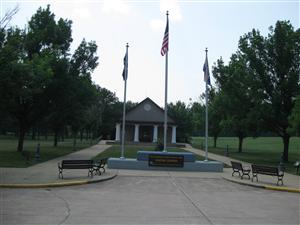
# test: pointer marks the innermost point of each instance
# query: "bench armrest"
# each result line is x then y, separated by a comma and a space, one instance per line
281, 173
297, 163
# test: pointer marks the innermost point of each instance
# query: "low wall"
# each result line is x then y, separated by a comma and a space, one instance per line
144, 155
200, 166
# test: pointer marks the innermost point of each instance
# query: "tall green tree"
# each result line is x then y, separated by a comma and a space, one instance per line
38, 78
274, 62
82, 64
58, 95
45, 35
111, 111
23, 80
215, 114
197, 111
235, 97
182, 116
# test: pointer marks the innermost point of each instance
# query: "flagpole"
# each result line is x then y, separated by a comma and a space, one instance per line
206, 115
124, 105
166, 100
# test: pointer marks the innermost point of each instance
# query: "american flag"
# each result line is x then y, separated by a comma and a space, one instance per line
165, 44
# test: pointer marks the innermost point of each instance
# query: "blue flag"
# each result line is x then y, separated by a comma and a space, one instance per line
125, 70
206, 72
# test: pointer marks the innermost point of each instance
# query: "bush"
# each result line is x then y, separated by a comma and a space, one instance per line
159, 146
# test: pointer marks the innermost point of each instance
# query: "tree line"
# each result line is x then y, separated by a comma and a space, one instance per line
44, 87
47, 89
258, 91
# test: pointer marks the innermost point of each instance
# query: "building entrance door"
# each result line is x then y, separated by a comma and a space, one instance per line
146, 133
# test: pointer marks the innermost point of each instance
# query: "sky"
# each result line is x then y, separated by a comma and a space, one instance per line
194, 25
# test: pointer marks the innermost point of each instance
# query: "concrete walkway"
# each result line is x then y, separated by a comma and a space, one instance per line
150, 198
46, 173
291, 182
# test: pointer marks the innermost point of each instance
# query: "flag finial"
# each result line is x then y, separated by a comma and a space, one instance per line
127, 45
167, 13
206, 50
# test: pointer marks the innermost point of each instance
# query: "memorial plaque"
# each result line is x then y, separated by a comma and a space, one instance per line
166, 160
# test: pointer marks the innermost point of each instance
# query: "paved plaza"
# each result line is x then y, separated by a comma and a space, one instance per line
136, 197
142, 197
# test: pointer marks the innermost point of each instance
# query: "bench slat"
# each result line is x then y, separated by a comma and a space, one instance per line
236, 165
265, 170
64, 162
77, 166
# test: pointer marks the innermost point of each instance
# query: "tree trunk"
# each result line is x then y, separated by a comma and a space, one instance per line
55, 138
286, 141
74, 144
215, 141
74, 141
81, 135
33, 133
38, 133
241, 144
22, 132
87, 134
66, 133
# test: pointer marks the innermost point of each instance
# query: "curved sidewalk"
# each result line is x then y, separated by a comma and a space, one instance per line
46, 174
291, 182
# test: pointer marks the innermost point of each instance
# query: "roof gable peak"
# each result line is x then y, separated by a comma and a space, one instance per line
147, 111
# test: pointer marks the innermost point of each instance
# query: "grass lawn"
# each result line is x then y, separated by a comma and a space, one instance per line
130, 151
9, 157
262, 150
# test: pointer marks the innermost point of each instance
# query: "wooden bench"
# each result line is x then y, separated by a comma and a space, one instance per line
238, 168
100, 165
76, 164
297, 165
267, 170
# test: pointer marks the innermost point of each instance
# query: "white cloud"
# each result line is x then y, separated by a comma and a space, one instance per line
82, 13
174, 14
157, 24
173, 7
115, 6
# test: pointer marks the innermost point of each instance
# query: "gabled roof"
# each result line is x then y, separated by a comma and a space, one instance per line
147, 111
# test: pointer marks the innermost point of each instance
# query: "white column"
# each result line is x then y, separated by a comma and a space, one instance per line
118, 130
136, 132
173, 134
155, 131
